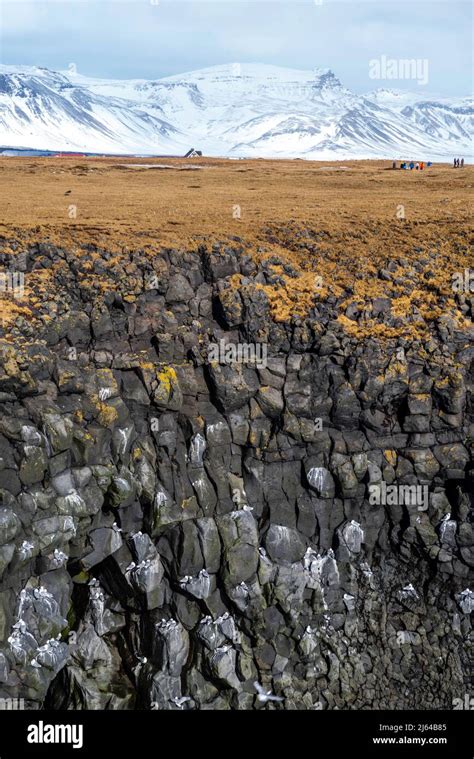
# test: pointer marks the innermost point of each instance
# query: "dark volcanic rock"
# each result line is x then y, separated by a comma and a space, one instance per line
175, 528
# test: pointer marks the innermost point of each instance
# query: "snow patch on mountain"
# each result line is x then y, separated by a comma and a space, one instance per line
229, 110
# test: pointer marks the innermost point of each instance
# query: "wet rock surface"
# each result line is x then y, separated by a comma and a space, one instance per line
176, 528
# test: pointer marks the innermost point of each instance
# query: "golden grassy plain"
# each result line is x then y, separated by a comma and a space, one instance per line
344, 221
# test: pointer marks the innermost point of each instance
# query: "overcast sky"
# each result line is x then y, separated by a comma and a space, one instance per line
154, 38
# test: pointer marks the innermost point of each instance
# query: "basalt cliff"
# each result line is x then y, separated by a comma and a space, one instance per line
180, 531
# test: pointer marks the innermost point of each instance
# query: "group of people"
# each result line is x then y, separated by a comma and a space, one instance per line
418, 166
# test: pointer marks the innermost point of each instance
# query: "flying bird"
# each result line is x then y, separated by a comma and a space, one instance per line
264, 696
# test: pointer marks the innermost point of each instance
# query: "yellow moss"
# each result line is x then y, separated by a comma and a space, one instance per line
11, 367
10, 311
167, 377
235, 280
381, 331
106, 375
391, 457
81, 577
137, 454
253, 438
108, 415
297, 296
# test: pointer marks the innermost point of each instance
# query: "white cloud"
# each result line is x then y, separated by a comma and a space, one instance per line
135, 38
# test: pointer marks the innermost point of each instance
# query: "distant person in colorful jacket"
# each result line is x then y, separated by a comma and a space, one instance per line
411, 165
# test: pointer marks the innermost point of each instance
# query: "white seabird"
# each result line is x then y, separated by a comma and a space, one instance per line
180, 701
20, 625
265, 696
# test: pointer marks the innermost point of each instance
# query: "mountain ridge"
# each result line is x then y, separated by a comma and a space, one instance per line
239, 110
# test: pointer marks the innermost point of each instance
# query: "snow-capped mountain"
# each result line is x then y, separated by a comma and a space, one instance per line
45, 110
232, 110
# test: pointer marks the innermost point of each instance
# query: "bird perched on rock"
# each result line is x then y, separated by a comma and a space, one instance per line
180, 701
